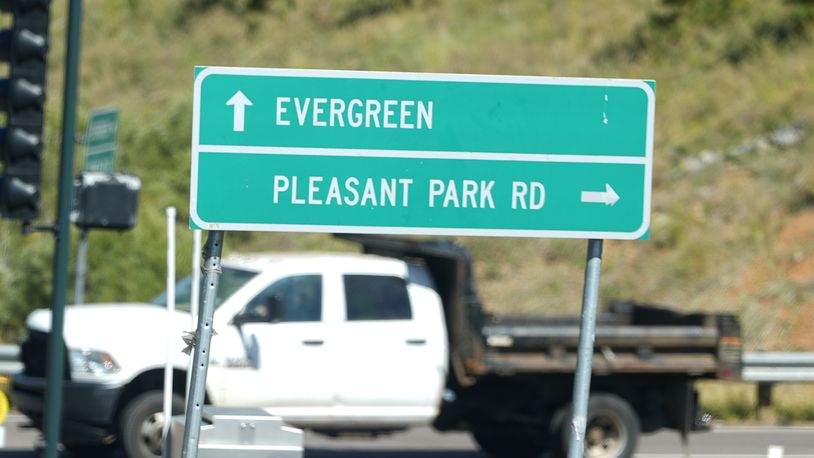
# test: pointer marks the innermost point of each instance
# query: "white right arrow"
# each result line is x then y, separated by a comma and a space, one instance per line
239, 101
609, 197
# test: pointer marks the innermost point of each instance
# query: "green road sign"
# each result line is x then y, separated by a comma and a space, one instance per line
101, 140
415, 153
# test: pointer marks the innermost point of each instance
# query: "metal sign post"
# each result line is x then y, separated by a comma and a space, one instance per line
194, 298
100, 156
587, 332
203, 338
170, 336
81, 268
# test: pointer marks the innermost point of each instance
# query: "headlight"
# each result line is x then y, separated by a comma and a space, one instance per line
91, 362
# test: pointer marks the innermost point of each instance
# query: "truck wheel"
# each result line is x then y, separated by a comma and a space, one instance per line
505, 441
612, 430
142, 423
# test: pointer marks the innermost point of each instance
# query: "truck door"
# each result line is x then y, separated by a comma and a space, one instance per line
391, 363
289, 350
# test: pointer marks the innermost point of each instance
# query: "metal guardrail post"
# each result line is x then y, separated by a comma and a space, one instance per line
764, 400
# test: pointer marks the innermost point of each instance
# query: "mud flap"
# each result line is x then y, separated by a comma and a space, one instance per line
684, 409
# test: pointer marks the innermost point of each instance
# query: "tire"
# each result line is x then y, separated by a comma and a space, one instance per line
612, 429
506, 441
141, 423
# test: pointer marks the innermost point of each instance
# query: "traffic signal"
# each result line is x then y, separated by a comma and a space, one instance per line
105, 200
22, 96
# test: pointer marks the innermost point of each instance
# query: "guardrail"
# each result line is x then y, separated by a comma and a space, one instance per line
10, 360
770, 367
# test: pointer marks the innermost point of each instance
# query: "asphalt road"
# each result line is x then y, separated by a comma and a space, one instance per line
729, 442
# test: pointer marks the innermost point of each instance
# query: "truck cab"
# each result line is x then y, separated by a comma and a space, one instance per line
332, 341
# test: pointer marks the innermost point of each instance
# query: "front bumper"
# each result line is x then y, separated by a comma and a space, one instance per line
88, 409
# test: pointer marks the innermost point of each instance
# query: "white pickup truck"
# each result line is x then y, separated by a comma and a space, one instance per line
369, 343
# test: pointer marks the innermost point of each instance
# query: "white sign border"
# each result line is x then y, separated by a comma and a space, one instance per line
451, 77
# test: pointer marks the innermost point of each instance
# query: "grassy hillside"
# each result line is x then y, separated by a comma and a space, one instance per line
733, 205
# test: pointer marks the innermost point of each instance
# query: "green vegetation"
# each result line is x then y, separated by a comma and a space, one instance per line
733, 212
728, 402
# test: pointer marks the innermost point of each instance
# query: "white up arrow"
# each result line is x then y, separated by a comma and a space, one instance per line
609, 197
239, 101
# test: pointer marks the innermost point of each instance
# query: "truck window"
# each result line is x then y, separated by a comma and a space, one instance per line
299, 299
230, 281
376, 297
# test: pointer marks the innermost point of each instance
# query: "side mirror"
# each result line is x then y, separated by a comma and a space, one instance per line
268, 312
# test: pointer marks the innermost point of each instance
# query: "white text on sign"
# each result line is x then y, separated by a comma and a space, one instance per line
369, 113
395, 192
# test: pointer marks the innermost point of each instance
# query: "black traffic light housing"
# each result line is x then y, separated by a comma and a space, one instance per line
22, 96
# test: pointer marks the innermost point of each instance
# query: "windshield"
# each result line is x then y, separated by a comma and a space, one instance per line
230, 281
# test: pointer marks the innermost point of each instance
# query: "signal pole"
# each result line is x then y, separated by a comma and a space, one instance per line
56, 346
